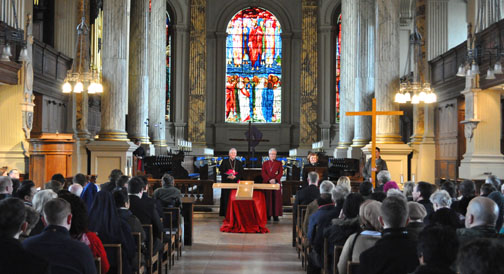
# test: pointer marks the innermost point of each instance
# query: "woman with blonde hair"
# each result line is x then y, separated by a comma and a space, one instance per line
344, 181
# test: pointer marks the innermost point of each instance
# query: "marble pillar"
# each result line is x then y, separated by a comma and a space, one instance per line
113, 150
138, 81
309, 72
157, 75
387, 70
180, 41
197, 74
364, 82
349, 16
115, 71
483, 154
327, 83
437, 28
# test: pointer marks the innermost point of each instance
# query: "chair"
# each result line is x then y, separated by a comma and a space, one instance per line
115, 248
337, 253
325, 267
176, 228
169, 247
151, 257
137, 236
352, 267
97, 261
301, 210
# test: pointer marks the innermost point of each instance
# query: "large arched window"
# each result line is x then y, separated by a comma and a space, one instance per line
253, 67
338, 66
169, 48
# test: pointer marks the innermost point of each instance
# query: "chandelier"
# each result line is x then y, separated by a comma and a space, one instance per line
9, 35
410, 88
79, 78
470, 67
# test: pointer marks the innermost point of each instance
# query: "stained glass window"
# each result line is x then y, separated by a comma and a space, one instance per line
338, 67
168, 65
253, 67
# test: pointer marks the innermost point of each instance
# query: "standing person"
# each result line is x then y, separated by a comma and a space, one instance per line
271, 173
380, 165
231, 171
313, 161
139, 155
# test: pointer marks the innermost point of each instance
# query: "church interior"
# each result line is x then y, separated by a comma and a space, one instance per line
192, 88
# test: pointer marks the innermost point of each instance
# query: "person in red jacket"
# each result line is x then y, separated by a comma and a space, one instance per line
272, 172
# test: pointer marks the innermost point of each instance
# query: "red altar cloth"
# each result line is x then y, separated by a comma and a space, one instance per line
246, 216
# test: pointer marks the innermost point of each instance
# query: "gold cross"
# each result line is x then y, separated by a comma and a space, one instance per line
245, 189
373, 113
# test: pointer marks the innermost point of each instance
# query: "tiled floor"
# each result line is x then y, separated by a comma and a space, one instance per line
216, 252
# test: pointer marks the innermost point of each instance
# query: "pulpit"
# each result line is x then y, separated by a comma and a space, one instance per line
50, 153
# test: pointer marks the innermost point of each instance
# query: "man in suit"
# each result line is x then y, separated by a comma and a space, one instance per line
231, 171
421, 194
145, 209
54, 244
305, 196
395, 252
13, 258
480, 220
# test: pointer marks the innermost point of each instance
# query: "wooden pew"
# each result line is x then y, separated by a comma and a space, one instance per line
352, 267
301, 209
137, 236
151, 258
97, 261
169, 239
187, 213
164, 253
115, 248
176, 228
289, 189
337, 253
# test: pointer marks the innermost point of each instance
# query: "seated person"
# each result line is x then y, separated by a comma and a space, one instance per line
39, 201
64, 254
443, 214
306, 195
480, 220
361, 241
26, 191
313, 161
168, 195
114, 176
395, 252
437, 250
5, 187
417, 213
480, 255
421, 194
382, 178
326, 187
13, 258
467, 189
75, 189
366, 189
32, 219
79, 230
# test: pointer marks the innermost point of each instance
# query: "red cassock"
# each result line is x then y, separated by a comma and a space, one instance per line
273, 170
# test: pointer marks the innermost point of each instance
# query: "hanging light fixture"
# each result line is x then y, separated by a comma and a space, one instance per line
79, 75
411, 90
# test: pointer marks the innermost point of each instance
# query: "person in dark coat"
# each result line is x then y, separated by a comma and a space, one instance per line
497, 197
313, 161
88, 194
480, 220
111, 229
145, 210
168, 195
5, 187
480, 256
417, 213
139, 155
421, 194
305, 196
13, 258
468, 191
54, 244
437, 250
231, 171
443, 214
395, 252
114, 176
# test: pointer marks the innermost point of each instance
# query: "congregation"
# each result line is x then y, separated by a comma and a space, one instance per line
69, 227
423, 228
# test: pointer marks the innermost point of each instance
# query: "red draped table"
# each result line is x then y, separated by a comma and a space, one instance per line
246, 216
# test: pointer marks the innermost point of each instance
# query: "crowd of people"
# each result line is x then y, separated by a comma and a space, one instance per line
420, 229
63, 228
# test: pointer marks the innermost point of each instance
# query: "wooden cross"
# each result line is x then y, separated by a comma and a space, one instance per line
245, 189
373, 113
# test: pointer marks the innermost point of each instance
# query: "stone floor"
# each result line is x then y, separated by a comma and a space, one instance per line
216, 252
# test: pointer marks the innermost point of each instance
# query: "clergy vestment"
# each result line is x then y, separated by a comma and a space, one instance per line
226, 167
273, 170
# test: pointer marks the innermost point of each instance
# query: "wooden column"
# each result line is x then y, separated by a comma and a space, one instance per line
197, 73
309, 75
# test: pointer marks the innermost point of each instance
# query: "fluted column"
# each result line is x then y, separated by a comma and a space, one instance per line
326, 83
197, 73
138, 93
437, 32
157, 75
387, 69
309, 69
348, 74
115, 70
364, 82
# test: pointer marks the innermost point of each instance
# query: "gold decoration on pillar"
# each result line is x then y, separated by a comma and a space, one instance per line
309, 104
197, 72
96, 39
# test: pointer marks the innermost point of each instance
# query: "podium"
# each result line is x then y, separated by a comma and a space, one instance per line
50, 153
